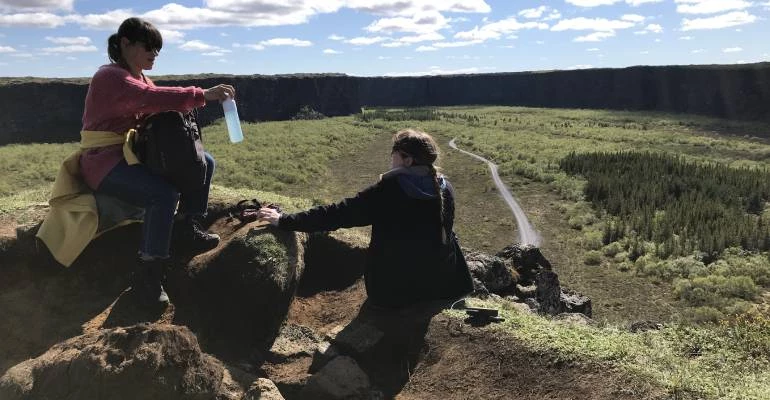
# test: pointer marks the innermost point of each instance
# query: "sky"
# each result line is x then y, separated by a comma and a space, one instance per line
67, 38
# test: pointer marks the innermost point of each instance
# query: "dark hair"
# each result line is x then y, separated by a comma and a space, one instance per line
424, 151
135, 30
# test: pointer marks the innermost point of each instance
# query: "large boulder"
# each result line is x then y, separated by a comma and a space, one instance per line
552, 299
490, 273
143, 361
240, 293
527, 261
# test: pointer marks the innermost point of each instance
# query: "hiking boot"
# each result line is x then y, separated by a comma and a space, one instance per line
146, 282
190, 234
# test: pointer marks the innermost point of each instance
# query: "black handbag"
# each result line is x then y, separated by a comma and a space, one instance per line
170, 145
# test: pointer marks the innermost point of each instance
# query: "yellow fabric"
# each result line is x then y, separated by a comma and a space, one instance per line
73, 219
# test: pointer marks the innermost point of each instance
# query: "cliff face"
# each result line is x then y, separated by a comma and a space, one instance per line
51, 111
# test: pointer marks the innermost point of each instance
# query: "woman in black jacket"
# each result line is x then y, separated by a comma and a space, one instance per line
413, 253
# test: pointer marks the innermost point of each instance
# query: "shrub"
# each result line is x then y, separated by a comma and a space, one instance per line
625, 265
592, 257
703, 315
592, 239
622, 257
715, 290
613, 249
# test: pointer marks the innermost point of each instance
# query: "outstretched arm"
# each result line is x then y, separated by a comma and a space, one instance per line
353, 211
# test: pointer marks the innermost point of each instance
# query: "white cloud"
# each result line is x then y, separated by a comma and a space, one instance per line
286, 42
434, 70
495, 30
171, 36
336, 37
533, 13
384, 58
82, 40
425, 48
644, 52
425, 37
198, 45
594, 37
108, 21
217, 53
412, 7
710, 6
425, 22
394, 44
592, 3
698, 51
457, 44
366, 41
591, 24
720, 21
254, 46
331, 51
7, 49
74, 48
32, 20
632, 18
685, 37
581, 66
637, 3
36, 4
651, 28
23, 55
732, 50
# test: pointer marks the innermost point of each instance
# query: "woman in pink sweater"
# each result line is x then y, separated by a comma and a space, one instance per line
119, 97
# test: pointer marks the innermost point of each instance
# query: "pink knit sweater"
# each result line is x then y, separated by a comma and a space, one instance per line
117, 102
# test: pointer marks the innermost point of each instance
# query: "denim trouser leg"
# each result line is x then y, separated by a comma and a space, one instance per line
136, 185
196, 202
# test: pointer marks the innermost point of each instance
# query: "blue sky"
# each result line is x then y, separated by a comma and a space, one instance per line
67, 38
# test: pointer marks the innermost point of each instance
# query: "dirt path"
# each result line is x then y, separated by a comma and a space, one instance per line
527, 234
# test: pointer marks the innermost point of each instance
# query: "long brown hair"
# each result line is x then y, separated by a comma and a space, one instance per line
424, 151
135, 30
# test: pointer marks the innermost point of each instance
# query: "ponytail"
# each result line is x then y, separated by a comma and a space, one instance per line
113, 49
437, 186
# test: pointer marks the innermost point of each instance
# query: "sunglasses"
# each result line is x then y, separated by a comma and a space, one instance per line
148, 47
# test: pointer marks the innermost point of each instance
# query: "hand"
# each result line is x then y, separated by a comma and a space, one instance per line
269, 214
219, 92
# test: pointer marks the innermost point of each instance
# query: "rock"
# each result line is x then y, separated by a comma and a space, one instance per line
293, 341
263, 389
525, 292
573, 302
324, 353
495, 273
548, 292
138, 362
356, 337
241, 293
553, 299
532, 303
527, 261
341, 378
644, 326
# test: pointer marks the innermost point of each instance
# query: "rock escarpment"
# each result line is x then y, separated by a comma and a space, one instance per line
50, 110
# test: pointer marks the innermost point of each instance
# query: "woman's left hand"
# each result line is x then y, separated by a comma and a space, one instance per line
267, 214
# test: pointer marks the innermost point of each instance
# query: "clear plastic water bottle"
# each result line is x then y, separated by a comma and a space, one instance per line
233, 122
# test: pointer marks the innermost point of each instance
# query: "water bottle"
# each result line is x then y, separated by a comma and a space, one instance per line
233, 123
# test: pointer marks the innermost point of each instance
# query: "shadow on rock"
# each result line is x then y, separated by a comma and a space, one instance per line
371, 357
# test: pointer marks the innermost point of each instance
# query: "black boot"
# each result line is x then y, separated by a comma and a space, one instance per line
189, 234
146, 282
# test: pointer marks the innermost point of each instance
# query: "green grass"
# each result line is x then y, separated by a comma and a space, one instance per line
328, 159
299, 163
727, 361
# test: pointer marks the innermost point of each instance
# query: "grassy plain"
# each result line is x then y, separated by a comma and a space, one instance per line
302, 162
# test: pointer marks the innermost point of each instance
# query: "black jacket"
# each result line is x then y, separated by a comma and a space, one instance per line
407, 261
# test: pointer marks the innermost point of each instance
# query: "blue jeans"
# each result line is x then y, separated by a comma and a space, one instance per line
136, 185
